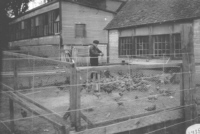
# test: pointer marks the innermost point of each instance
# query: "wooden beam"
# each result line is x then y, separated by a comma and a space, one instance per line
132, 66
41, 114
188, 73
11, 103
86, 119
57, 62
135, 122
181, 87
121, 119
75, 99
34, 102
12, 123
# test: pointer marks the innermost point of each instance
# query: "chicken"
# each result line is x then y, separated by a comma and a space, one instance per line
117, 97
151, 108
57, 91
97, 94
89, 109
121, 94
153, 97
61, 88
23, 113
120, 103
157, 88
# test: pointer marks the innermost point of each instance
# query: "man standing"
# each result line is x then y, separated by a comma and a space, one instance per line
94, 53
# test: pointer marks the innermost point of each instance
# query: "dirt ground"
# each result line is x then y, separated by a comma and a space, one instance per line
97, 106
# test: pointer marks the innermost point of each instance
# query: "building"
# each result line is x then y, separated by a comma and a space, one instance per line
149, 30
50, 29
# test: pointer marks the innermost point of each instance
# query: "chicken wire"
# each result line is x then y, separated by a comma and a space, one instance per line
39, 80
127, 91
116, 96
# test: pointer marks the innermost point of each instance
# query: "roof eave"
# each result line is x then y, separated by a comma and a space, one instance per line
36, 8
168, 21
82, 4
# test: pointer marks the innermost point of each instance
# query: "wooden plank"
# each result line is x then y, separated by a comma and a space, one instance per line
122, 119
188, 75
135, 123
132, 66
74, 100
68, 64
35, 73
35, 103
11, 103
12, 123
78, 102
19, 101
181, 87
86, 119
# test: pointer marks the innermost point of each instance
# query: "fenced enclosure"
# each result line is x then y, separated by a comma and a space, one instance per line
123, 97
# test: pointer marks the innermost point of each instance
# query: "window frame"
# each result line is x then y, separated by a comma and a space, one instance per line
158, 48
128, 47
34, 27
146, 43
83, 32
174, 45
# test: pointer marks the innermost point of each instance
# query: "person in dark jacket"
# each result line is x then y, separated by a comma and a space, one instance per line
94, 53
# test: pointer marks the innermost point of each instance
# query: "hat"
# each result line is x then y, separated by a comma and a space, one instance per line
96, 42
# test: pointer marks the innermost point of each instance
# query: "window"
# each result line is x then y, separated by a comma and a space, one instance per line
41, 25
80, 31
142, 45
125, 46
22, 25
177, 45
32, 27
161, 45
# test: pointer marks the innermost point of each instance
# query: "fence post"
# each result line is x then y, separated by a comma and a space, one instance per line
11, 102
75, 99
188, 74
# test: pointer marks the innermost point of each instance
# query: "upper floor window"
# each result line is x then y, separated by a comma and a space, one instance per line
80, 30
41, 25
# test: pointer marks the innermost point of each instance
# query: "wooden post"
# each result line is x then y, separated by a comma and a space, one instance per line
11, 103
151, 47
12, 124
181, 86
188, 74
75, 99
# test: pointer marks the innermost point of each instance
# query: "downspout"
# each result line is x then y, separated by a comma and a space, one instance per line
60, 26
108, 48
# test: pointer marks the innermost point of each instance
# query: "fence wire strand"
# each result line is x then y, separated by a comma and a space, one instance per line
143, 87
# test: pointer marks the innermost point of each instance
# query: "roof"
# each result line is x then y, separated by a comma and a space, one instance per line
142, 12
89, 4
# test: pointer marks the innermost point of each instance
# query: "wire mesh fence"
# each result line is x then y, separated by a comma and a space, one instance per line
124, 97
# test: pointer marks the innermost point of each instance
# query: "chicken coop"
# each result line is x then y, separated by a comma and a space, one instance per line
113, 98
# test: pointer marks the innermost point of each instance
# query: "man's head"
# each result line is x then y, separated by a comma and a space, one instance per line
96, 42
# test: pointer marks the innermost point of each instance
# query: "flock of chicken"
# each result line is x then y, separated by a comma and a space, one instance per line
116, 84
